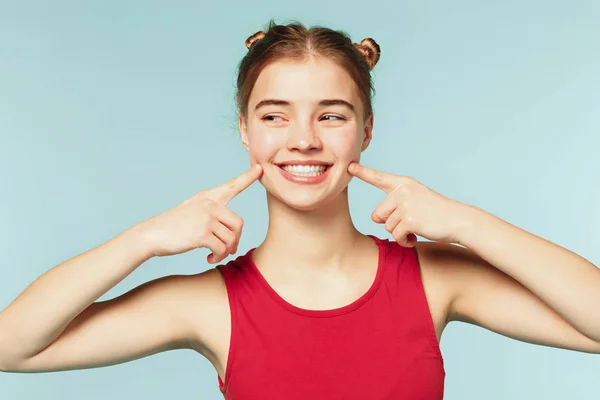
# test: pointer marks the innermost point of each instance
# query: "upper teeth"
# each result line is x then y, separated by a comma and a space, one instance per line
304, 168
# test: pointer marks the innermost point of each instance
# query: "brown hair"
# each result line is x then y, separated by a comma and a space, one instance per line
296, 42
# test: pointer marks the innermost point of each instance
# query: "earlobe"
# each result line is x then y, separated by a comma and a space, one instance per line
368, 131
243, 131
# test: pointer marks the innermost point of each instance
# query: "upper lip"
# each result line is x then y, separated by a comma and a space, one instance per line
303, 162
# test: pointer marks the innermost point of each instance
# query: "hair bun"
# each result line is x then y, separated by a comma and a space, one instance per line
370, 50
254, 38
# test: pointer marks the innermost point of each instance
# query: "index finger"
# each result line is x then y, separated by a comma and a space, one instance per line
376, 178
235, 186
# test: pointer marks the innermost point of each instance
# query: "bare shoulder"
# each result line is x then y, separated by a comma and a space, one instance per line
202, 301
439, 278
206, 308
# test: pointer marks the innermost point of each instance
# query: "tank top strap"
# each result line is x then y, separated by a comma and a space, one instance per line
405, 280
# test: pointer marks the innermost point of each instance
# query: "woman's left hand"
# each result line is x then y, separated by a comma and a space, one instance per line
410, 208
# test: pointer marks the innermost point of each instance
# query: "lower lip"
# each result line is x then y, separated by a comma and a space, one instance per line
306, 180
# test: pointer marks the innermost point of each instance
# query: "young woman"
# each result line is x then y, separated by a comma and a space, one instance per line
318, 310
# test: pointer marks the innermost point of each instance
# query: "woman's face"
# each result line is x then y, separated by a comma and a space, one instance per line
305, 126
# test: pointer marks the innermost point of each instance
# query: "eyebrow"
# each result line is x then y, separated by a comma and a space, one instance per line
324, 102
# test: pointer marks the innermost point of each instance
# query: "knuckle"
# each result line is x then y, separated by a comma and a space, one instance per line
205, 233
408, 180
206, 203
389, 225
212, 222
403, 190
240, 222
400, 228
204, 238
230, 238
410, 220
238, 229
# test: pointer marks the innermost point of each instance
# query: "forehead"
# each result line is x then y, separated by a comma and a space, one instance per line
304, 81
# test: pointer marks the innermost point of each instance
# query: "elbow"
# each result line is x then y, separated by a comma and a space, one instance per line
4, 367
9, 364
11, 367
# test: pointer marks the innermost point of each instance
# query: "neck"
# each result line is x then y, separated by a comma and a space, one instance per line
314, 240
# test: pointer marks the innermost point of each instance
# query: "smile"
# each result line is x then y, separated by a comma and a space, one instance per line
305, 173
304, 170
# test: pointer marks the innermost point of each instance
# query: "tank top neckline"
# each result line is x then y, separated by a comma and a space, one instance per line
332, 312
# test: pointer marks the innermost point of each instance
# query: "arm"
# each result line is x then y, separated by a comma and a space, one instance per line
508, 280
54, 324
519, 285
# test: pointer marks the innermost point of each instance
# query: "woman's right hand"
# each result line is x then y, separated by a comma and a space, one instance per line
203, 220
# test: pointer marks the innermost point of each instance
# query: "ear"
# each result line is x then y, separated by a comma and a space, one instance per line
368, 131
243, 128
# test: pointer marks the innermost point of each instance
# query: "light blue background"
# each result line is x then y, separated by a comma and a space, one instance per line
111, 112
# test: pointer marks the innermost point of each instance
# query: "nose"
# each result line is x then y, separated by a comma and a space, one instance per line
303, 137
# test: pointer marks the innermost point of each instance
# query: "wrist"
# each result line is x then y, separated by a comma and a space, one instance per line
137, 240
469, 224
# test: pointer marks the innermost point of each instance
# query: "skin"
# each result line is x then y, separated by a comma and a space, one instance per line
325, 239
538, 292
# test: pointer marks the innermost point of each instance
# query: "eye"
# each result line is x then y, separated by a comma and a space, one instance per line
331, 117
272, 118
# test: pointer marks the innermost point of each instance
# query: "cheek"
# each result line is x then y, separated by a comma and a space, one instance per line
346, 143
263, 145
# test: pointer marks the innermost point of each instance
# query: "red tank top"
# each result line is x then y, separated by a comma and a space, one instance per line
381, 346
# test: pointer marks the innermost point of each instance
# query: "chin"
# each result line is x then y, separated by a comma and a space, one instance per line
304, 203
